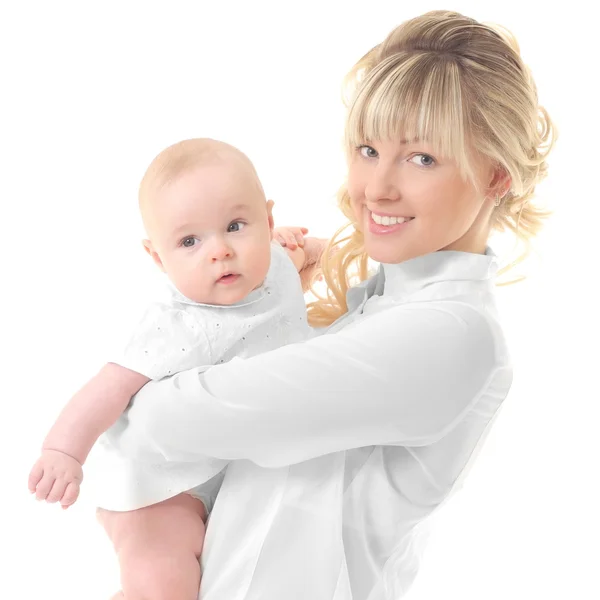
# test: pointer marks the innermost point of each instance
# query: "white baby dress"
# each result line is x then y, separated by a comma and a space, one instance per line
178, 334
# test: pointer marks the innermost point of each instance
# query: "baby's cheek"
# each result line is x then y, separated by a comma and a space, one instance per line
265, 263
191, 282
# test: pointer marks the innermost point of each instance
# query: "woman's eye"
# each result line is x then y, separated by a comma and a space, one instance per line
189, 242
236, 226
424, 160
367, 151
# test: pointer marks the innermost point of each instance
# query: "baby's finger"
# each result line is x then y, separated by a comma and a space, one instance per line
57, 491
44, 486
279, 238
34, 477
300, 239
71, 494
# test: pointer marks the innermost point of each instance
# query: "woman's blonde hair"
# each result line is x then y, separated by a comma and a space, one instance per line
448, 79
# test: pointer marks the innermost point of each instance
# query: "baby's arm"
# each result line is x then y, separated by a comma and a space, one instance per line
57, 474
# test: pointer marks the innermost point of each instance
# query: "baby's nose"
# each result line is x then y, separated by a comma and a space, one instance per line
221, 252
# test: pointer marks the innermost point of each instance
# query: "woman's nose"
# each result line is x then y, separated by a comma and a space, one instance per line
382, 184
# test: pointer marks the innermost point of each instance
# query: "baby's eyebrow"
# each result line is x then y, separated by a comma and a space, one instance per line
239, 207
182, 229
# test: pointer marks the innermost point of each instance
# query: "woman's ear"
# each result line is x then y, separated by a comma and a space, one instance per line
500, 183
149, 248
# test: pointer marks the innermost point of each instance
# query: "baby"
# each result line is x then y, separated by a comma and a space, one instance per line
231, 292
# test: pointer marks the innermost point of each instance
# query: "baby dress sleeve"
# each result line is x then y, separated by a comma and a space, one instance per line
167, 340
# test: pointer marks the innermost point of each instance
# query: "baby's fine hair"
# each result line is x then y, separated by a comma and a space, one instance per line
183, 156
455, 82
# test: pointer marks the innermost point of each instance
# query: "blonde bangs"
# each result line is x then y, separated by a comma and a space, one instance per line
412, 97
462, 87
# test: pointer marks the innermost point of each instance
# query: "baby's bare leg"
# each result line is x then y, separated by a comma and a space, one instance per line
159, 548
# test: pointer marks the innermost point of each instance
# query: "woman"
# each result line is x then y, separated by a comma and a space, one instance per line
342, 446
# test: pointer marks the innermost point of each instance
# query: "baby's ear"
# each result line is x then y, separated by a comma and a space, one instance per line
149, 248
270, 205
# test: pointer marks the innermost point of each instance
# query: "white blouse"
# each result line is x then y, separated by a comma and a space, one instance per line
342, 445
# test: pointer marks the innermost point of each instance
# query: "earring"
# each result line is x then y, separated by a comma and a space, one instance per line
498, 200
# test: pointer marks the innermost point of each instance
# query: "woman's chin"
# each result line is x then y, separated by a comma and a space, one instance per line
383, 252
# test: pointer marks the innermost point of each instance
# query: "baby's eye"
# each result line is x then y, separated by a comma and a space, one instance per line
189, 242
236, 226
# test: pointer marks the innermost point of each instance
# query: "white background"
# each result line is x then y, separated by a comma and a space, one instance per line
91, 91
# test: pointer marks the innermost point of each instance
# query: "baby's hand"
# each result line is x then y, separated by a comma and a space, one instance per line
290, 237
56, 477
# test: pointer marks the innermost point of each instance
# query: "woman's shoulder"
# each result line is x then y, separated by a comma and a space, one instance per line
461, 326
469, 327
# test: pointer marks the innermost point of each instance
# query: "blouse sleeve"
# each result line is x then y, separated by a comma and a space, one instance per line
404, 376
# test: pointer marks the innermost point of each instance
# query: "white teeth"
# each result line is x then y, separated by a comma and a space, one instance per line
388, 220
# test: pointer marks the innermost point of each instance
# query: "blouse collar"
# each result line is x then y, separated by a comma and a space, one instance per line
410, 277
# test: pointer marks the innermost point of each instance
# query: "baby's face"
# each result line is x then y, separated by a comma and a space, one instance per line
210, 228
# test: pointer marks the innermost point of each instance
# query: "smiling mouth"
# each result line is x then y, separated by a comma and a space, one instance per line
388, 221
383, 225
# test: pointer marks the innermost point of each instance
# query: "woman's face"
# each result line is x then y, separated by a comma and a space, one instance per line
408, 201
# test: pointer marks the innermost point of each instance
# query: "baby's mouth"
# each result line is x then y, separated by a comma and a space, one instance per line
228, 278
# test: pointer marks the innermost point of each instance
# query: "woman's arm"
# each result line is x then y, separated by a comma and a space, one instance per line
406, 375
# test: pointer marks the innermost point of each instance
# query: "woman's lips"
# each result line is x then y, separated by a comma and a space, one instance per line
380, 229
